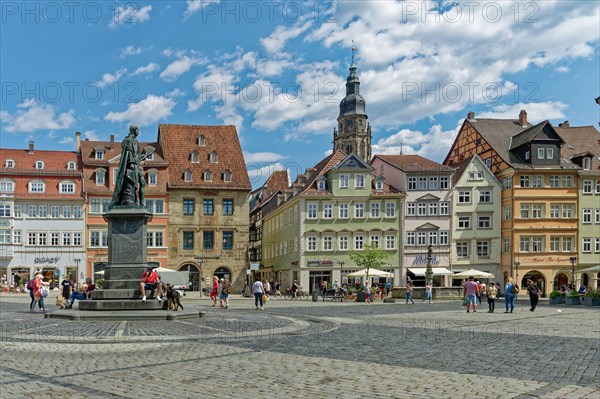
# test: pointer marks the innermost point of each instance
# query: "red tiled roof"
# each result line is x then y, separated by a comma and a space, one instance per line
179, 141
414, 163
55, 162
578, 140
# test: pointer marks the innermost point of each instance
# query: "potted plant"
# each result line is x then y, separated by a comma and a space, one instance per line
556, 298
572, 298
592, 298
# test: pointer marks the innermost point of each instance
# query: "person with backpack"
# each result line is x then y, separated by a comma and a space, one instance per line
30, 287
511, 289
40, 291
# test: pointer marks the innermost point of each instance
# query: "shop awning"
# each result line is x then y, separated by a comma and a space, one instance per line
437, 271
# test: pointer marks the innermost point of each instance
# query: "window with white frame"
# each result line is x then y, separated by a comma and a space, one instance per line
464, 197
596, 245
37, 186
152, 178
433, 209
379, 185
554, 211
444, 182
327, 243
410, 238
227, 176
201, 141
483, 249
587, 186
421, 209
359, 242
18, 210
462, 250
390, 209
596, 215
484, 222
507, 212
476, 175
7, 186
541, 153
443, 238
537, 181
54, 239
31, 211
213, 157
485, 196
375, 209
567, 244
374, 240
506, 244
70, 165
207, 175
67, 187
464, 222
587, 163
343, 243
4, 236
321, 185
327, 210
311, 211
194, 157
432, 238
31, 238
344, 181
99, 154
343, 211
359, 210
359, 181
586, 245
525, 211
9, 164
433, 183
390, 241
187, 175
554, 181
537, 211
411, 209
421, 238
39, 164
587, 216
77, 239
507, 182
567, 181
17, 237
527, 155
100, 177
412, 183
422, 183
567, 211
5, 209
549, 153
67, 211
67, 239
554, 244
43, 211
155, 239
42, 239
488, 162
444, 208
525, 181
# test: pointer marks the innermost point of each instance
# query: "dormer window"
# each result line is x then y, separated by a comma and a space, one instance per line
100, 177
187, 175
227, 176
207, 175
549, 153
194, 157
37, 186
587, 163
150, 157
201, 141
379, 184
527, 155
7, 185
39, 164
67, 187
98, 154
322, 184
152, 177
476, 175
71, 165
213, 157
10, 163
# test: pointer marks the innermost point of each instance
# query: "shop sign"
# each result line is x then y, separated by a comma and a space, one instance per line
320, 263
547, 259
215, 256
295, 263
46, 260
254, 265
422, 260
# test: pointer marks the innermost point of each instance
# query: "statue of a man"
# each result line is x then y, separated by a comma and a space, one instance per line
130, 183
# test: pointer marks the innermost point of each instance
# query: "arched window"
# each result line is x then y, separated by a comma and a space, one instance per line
227, 176
187, 175
201, 140
152, 177
213, 157
194, 157
39, 164
207, 175
100, 176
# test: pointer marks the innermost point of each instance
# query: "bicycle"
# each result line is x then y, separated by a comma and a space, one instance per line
300, 295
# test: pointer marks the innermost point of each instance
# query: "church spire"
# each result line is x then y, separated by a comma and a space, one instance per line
353, 65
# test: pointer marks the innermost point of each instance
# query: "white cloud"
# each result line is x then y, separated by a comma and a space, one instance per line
33, 116
151, 67
90, 135
175, 93
276, 41
262, 157
536, 112
145, 112
562, 69
178, 67
66, 140
259, 173
111, 78
129, 14
194, 6
131, 50
328, 153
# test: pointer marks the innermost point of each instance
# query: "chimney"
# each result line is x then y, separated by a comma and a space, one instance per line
78, 142
112, 141
471, 115
564, 124
30, 147
523, 118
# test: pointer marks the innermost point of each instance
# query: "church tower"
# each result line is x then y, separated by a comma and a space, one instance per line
353, 134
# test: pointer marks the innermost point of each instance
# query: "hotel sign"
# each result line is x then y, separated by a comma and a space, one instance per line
319, 263
422, 260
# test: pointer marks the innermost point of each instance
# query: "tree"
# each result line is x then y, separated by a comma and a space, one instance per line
371, 257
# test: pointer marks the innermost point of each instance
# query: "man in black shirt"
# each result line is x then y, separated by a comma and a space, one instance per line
67, 287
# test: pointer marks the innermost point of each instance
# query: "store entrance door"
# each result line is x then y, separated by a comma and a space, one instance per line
315, 279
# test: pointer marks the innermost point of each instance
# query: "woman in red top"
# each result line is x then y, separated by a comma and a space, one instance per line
215, 290
38, 283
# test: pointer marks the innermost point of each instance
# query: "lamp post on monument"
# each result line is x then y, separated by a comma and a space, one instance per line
429, 270
517, 264
573, 259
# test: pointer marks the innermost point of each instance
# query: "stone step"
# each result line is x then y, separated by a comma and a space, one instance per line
121, 284
120, 304
121, 294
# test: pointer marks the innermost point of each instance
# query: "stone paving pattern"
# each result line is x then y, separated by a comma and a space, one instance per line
305, 350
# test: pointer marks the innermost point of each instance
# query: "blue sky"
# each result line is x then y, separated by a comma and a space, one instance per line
277, 70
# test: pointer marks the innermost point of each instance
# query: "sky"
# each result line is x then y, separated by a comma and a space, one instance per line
276, 70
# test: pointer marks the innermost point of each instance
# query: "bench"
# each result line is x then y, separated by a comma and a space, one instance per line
333, 297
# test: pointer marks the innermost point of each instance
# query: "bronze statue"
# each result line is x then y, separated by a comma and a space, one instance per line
130, 183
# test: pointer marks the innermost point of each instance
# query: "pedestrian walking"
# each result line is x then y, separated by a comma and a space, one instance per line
510, 294
225, 291
31, 288
38, 291
368, 293
491, 294
215, 290
409, 292
388, 288
258, 290
534, 294
267, 286
470, 293
428, 293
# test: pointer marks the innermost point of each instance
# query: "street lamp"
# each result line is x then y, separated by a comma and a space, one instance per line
517, 264
573, 259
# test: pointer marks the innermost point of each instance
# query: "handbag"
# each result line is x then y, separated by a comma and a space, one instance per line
515, 289
60, 301
265, 298
44, 291
464, 301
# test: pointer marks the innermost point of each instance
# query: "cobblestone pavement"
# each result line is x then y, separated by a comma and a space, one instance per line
305, 349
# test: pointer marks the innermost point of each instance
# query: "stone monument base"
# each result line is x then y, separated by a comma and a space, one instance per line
133, 315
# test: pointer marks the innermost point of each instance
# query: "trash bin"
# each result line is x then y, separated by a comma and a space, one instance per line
360, 297
315, 296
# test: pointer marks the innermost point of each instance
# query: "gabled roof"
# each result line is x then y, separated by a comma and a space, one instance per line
353, 161
276, 183
579, 140
463, 166
178, 142
414, 163
55, 162
528, 135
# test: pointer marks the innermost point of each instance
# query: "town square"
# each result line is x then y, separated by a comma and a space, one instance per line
390, 199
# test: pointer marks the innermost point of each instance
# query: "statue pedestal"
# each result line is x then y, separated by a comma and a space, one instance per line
126, 263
